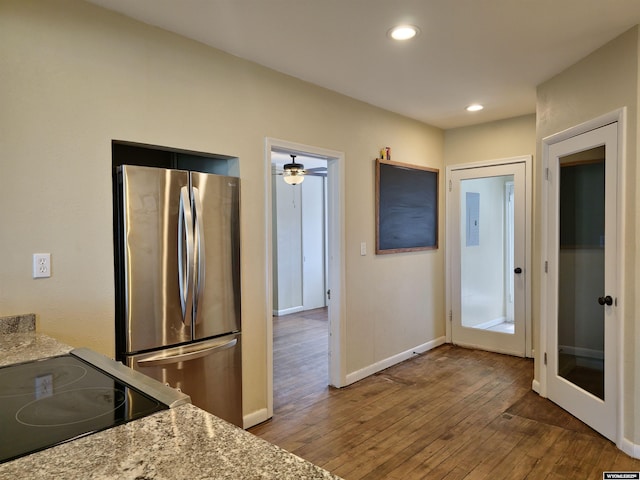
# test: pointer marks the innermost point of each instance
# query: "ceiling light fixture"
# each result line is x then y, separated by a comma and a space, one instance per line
476, 107
403, 32
293, 172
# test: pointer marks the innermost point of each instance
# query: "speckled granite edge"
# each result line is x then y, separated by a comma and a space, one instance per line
181, 443
18, 323
27, 346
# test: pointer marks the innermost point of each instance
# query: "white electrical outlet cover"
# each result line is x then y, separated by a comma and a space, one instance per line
41, 265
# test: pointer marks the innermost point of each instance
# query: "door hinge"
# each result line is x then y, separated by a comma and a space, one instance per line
450, 185
547, 173
451, 315
546, 266
329, 294
545, 358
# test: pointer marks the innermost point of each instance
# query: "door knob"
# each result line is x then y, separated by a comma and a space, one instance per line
605, 300
517, 270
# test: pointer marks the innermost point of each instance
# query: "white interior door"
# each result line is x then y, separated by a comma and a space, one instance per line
581, 279
488, 257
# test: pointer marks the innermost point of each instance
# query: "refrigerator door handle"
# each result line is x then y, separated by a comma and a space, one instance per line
185, 256
164, 359
200, 255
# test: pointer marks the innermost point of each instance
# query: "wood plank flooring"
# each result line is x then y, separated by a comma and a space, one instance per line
451, 413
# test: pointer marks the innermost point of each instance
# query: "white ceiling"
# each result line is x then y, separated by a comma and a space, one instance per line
493, 52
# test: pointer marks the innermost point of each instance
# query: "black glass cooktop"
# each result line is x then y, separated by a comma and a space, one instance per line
47, 402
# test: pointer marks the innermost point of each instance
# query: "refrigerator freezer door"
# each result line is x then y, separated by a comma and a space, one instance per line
209, 372
216, 205
150, 203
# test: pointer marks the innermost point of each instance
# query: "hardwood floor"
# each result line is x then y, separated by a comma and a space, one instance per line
300, 366
451, 413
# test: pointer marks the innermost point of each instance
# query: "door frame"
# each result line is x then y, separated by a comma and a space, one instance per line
528, 161
335, 215
541, 387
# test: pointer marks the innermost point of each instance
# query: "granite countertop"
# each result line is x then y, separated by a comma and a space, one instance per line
23, 347
19, 341
183, 442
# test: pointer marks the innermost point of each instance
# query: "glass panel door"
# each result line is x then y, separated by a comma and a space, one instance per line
581, 277
488, 257
581, 270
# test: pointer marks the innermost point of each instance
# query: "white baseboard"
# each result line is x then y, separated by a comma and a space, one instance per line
395, 359
254, 418
287, 311
535, 386
630, 448
489, 324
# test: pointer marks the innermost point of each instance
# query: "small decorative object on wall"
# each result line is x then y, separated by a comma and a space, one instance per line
406, 207
385, 153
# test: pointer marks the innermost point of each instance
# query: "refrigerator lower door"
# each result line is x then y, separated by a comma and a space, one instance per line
210, 372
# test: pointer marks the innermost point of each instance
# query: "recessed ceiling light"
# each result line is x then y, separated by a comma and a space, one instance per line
474, 108
403, 32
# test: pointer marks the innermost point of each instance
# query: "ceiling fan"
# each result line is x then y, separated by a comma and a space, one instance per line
293, 173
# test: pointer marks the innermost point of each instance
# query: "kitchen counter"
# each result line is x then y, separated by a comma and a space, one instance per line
23, 347
184, 442
19, 341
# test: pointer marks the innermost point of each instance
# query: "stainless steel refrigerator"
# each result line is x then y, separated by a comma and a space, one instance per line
178, 282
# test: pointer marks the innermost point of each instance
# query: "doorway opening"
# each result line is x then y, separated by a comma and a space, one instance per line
300, 317
305, 272
299, 219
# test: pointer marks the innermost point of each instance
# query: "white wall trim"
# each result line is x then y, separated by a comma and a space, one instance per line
336, 227
490, 323
611, 117
630, 448
393, 360
255, 418
287, 311
621, 118
535, 386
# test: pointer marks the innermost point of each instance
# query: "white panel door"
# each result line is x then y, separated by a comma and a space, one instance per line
581, 280
488, 258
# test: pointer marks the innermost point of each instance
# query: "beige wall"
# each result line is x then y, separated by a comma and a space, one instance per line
513, 137
602, 82
75, 76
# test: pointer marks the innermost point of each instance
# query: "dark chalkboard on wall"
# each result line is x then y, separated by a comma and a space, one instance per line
406, 207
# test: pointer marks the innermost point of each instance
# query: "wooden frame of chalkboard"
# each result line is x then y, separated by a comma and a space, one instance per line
406, 207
